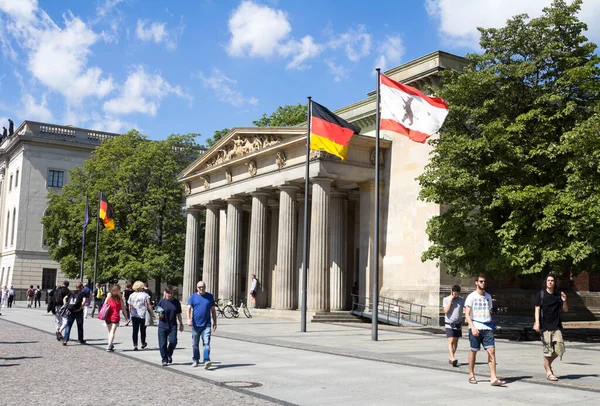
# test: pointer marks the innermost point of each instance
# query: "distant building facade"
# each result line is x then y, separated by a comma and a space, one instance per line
33, 161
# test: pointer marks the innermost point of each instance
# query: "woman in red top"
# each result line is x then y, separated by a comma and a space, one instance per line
112, 319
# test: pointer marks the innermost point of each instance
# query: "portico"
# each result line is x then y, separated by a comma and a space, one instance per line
253, 182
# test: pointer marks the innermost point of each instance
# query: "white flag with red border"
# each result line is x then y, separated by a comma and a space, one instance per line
407, 111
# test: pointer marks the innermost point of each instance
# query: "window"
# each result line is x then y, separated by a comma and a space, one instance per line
10, 183
7, 224
17, 178
48, 278
55, 178
12, 234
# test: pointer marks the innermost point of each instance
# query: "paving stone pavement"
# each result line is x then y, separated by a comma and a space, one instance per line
266, 360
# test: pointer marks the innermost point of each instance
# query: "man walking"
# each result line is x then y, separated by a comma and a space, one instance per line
548, 303
58, 299
202, 304
11, 296
38, 297
478, 314
453, 316
98, 294
76, 303
87, 293
30, 296
169, 310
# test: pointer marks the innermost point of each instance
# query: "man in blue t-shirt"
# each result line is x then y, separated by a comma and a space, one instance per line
203, 305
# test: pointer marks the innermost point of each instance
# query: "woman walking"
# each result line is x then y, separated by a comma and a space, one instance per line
169, 313
139, 304
116, 305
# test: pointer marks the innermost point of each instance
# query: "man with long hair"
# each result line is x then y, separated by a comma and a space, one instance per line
548, 303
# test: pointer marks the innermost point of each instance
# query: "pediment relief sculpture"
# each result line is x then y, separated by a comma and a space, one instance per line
280, 159
252, 168
206, 180
228, 176
241, 146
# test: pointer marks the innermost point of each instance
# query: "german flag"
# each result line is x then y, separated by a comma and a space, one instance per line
330, 133
106, 213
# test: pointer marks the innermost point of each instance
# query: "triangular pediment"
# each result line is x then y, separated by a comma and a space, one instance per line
241, 142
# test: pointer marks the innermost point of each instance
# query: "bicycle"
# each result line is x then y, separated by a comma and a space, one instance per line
220, 308
231, 310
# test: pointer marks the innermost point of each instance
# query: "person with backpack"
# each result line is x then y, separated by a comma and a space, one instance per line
75, 303
30, 296
548, 303
58, 301
98, 294
11, 296
38, 297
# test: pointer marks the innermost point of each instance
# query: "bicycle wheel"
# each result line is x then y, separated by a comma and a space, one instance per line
247, 312
228, 312
236, 313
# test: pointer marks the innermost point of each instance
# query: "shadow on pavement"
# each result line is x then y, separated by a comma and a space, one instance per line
18, 342
512, 379
223, 366
577, 376
17, 358
9, 365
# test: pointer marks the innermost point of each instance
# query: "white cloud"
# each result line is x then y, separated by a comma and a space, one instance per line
390, 52
356, 43
224, 88
141, 93
112, 124
459, 19
156, 32
21, 10
257, 30
106, 7
32, 110
300, 51
338, 71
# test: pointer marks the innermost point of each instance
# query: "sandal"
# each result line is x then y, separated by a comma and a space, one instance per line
498, 382
551, 377
472, 380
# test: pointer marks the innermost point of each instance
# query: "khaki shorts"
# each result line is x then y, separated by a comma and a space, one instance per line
553, 343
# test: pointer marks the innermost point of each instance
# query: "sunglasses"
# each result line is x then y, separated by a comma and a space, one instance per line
481, 281
201, 287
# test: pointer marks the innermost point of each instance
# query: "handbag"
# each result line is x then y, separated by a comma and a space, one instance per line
149, 318
102, 313
64, 311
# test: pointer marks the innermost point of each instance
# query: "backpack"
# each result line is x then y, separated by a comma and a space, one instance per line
100, 293
38, 293
58, 297
72, 302
30, 292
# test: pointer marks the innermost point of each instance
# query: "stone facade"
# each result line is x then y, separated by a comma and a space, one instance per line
34, 161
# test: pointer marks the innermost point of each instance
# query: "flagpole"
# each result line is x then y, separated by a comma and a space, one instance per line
97, 230
375, 301
305, 249
83, 239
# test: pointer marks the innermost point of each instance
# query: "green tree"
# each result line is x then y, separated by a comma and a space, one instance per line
138, 177
216, 137
502, 166
285, 116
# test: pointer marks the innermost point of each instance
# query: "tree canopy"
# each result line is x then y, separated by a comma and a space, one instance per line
139, 178
516, 166
285, 116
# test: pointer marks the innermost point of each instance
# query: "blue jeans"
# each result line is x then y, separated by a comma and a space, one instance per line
78, 317
167, 341
204, 333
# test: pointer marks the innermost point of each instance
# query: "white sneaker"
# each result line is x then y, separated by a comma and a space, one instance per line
195, 364
207, 364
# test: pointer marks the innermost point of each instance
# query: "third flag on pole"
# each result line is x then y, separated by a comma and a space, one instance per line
106, 213
330, 133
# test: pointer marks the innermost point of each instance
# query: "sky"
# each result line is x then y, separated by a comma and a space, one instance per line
195, 66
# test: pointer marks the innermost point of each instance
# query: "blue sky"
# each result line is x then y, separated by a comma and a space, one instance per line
202, 65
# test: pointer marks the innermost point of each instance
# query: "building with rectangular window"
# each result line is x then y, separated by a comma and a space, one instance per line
34, 160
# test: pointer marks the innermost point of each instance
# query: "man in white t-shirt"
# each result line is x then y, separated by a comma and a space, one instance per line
253, 291
478, 313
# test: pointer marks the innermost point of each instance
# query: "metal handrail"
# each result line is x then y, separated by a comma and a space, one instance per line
390, 310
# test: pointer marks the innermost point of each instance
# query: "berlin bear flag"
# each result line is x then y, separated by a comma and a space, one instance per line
407, 111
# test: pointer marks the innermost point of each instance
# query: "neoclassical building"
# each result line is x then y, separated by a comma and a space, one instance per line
35, 160
250, 186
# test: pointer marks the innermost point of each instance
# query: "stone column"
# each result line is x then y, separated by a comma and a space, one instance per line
270, 284
338, 270
190, 261
286, 248
258, 239
210, 273
318, 271
222, 252
300, 247
233, 264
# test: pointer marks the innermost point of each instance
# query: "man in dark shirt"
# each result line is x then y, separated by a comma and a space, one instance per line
76, 303
167, 325
58, 300
548, 303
